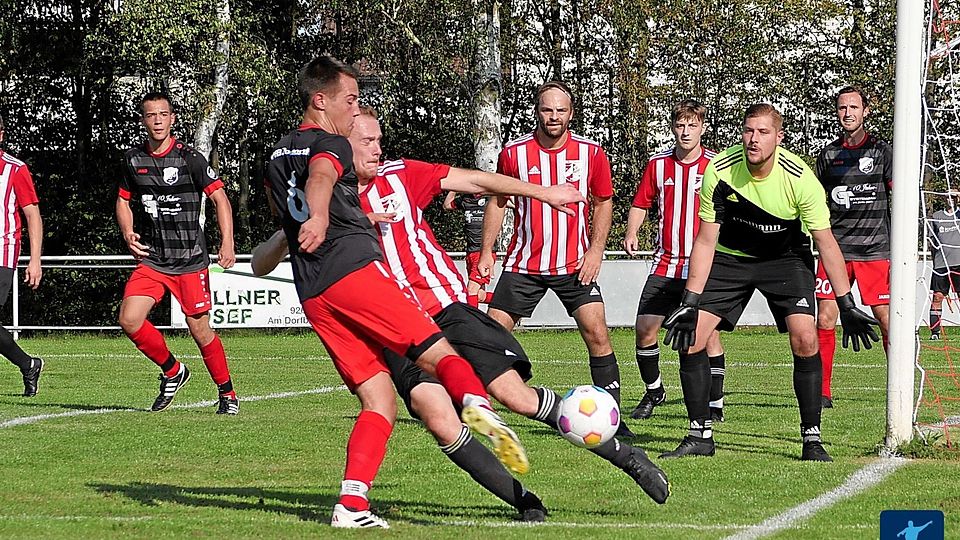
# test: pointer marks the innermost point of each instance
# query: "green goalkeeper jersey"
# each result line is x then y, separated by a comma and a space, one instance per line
762, 218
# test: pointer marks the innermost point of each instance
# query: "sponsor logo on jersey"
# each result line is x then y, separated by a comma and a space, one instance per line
170, 175
668, 182
280, 152
142, 171
866, 165
847, 196
533, 170
391, 205
572, 172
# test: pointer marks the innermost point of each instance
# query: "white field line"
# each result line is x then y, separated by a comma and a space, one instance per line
858, 482
24, 420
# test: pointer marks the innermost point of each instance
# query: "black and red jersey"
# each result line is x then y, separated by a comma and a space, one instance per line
473, 207
171, 186
351, 242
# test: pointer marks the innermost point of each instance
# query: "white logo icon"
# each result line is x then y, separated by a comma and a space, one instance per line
866, 165
841, 195
595, 292
803, 303
508, 352
170, 175
211, 173
533, 170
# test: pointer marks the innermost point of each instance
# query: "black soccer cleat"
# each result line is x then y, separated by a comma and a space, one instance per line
31, 377
935, 336
692, 446
623, 432
647, 475
716, 414
826, 403
228, 405
644, 409
169, 387
814, 451
531, 508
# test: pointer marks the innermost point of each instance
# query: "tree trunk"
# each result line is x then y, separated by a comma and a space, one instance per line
204, 139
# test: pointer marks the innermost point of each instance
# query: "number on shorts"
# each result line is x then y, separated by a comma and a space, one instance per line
824, 286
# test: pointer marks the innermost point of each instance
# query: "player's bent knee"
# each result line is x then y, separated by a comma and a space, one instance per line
431, 403
510, 390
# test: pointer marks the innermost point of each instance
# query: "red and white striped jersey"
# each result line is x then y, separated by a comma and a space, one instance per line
676, 187
406, 187
16, 188
546, 242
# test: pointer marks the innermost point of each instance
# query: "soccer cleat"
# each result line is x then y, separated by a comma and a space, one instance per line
935, 336
650, 400
228, 405
31, 377
692, 446
506, 445
826, 402
814, 451
623, 432
716, 414
169, 387
364, 519
531, 508
647, 475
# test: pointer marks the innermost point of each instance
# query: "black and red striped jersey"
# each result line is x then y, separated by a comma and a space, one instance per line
351, 242
170, 187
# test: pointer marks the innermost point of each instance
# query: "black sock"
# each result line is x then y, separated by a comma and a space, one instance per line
717, 371
695, 383
482, 466
614, 451
168, 364
935, 320
807, 384
12, 351
548, 408
606, 374
648, 360
226, 387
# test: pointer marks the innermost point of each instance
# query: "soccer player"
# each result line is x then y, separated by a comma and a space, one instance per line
549, 250
943, 234
759, 204
856, 171
672, 178
170, 179
395, 194
351, 299
472, 205
17, 184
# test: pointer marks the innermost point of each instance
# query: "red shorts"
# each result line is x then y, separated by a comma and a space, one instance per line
191, 290
872, 278
473, 274
363, 313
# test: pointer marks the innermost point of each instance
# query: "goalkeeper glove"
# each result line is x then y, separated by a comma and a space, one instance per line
681, 325
856, 324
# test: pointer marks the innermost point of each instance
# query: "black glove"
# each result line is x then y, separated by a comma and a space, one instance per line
856, 324
681, 325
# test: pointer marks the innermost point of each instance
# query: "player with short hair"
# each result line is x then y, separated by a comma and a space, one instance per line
943, 235
19, 196
551, 251
671, 177
171, 180
760, 204
335, 254
856, 171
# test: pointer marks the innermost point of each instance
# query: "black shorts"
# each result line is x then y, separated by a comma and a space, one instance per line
941, 281
787, 284
661, 295
518, 294
6, 284
489, 348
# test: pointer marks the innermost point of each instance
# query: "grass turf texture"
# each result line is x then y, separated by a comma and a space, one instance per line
274, 470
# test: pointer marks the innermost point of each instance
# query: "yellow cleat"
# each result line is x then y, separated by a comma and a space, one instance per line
506, 445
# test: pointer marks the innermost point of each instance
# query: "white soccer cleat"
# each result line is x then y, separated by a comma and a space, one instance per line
364, 519
506, 445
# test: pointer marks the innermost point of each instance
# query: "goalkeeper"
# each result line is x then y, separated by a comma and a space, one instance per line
943, 235
759, 205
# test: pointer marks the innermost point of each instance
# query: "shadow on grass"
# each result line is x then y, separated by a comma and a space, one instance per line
313, 507
29, 402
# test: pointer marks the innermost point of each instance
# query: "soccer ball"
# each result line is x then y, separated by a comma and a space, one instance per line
589, 416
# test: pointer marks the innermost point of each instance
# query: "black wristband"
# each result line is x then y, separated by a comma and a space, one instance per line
845, 302
690, 298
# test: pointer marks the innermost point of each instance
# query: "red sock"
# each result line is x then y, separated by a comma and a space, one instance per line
215, 358
487, 298
828, 347
473, 300
458, 378
150, 342
365, 451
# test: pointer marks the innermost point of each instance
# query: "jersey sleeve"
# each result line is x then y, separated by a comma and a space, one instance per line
708, 188
336, 150
23, 187
931, 229
601, 181
646, 188
204, 177
811, 201
423, 181
888, 166
505, 165
821, 165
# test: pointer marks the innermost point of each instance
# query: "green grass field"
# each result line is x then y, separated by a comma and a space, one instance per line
274, 470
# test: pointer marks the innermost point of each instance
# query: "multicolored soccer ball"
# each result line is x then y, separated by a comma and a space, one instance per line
589, 416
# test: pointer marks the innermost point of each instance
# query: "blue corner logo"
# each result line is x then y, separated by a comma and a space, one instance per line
911, 525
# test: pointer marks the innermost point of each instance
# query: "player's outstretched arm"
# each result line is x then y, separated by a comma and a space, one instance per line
492, 222
269, 253
634, 220
125, 221
857, 325
318, 190
473, 181
681, 325
227, 254
450, 201
35, 229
